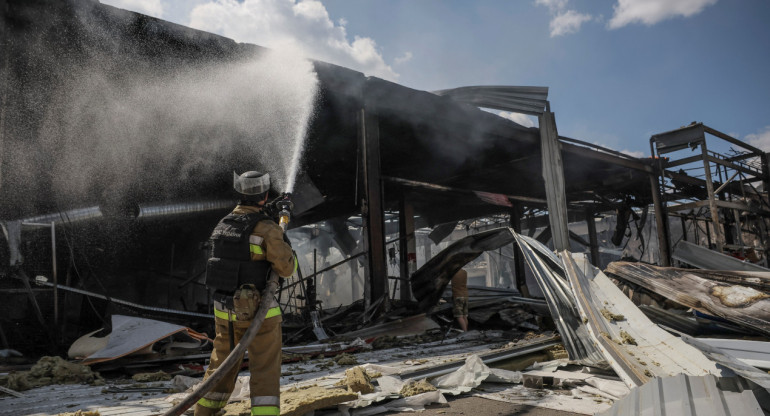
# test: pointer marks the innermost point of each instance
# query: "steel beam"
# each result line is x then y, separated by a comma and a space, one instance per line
606, 157
518, 256
661, 221
553, 174
711, 197
408, 252
372, 209
592, 239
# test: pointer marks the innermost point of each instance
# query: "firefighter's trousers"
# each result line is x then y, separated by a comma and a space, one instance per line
264, 365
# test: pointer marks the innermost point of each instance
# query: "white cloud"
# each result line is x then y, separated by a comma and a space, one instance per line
303, 25
760, 139
406, 57
563, 21
568, 22
650, 12
519, 118
553, 5
149, 7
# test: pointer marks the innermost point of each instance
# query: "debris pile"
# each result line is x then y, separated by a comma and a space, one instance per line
299, 401
151, 377
357, 380
413, 388
48, 371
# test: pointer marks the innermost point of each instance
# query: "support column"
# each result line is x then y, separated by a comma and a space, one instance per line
712, 198
592, 240
661, 222
372, 210
553, 174
518, 256
408, 252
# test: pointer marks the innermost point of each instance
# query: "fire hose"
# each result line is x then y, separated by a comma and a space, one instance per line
235, 356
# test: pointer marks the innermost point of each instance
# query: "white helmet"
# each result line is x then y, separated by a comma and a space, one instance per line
251, 183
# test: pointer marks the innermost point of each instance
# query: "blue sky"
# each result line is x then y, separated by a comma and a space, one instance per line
618, 70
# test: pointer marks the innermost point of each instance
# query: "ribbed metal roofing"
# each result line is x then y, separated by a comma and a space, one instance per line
684, 395
526, 100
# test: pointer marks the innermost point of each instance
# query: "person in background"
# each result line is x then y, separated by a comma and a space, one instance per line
460, 298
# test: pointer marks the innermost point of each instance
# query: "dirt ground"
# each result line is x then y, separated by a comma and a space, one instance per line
476, 406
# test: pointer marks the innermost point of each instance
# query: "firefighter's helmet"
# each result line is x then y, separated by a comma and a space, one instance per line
251, 183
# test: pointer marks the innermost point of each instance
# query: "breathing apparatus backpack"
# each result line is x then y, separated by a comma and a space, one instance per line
229, 265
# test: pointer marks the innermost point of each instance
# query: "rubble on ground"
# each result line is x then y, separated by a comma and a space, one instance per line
150, 377
345, 359
48, 371
413, 388
357, 380
300, 401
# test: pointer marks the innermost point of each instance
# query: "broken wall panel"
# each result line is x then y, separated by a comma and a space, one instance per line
430, 280
742, 305
549, 274
637, 349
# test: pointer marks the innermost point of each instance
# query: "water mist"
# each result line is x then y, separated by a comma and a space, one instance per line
114, 134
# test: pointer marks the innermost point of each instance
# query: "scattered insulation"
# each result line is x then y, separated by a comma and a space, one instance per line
48, 371
150, 377
357, 380
298, 401
345, 359
612, 317
413, 388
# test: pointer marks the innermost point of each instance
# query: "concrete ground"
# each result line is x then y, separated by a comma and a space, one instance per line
477, 406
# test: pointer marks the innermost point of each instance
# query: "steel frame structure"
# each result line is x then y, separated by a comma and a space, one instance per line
712, 189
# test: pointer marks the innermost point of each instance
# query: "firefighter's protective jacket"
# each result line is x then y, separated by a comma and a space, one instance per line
266, 244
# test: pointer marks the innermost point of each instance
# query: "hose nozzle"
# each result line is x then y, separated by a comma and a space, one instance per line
284, 206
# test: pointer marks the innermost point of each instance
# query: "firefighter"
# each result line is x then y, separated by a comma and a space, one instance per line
460, 298
246, 246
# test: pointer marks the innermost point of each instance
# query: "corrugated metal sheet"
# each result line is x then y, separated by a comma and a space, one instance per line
549, 274
526, 100
753, 353
637, 349
758, 377
703, 258
739, 304
684, 395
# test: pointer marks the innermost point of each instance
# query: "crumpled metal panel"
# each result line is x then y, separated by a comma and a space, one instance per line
753, 353
704, 258
526, 100
430, 280
685, 395
637, 349
549, 274
739, 304
722, 357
